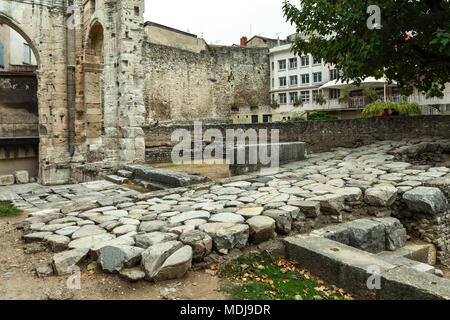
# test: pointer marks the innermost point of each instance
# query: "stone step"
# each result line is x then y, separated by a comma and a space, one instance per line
350, 268
116, 179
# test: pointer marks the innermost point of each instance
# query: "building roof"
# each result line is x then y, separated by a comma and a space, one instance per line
265, 39
154, 24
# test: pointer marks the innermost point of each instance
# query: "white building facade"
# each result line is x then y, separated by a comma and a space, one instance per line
297, 81
15, 53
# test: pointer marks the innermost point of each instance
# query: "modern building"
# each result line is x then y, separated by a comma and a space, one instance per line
302, 84
15, 54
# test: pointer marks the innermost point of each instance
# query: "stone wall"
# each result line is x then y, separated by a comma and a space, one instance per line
183, 85
324, 135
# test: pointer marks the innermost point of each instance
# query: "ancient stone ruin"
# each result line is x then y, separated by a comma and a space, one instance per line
360, 201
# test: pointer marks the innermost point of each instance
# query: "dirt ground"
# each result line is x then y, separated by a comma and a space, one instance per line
17, 280
211, 171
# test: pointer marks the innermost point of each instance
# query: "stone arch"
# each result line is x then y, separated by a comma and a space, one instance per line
93, 96
19, 109
16, 26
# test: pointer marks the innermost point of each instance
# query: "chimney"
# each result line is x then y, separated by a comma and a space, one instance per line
244, 42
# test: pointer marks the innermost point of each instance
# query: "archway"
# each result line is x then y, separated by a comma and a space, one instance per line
93, 86
19, 112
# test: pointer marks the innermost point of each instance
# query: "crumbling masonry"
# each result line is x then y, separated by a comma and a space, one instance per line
90, 83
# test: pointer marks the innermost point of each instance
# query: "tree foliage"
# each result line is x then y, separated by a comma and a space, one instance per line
412, 46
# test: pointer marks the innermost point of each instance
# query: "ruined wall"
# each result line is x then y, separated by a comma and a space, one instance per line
18, 105
324, 135
167, 36
183, 85
90, 80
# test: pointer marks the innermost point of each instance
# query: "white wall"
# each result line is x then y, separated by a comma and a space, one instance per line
13, 48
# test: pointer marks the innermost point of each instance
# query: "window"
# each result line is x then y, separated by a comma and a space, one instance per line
305, 96
1, 54
334, 93
315, 93
281, 64
305, 61
293, 80
273, 65
334, 74
267, 118
92, 5
26, 54
273, 82
317, 61
317, 76
282, 98
305, 78
282, 81
293, 63
292, 97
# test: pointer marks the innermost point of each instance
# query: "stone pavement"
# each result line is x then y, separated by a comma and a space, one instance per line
164, 231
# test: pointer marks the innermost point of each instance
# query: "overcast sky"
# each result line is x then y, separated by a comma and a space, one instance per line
221, 21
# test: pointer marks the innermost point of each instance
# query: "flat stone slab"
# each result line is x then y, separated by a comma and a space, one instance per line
115, 258
63, 262
250, 212
87, 231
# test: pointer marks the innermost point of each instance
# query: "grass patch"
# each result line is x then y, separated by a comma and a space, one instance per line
263, 278
174, 165
7, 209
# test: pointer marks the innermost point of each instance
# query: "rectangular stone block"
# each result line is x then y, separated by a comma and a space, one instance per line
22, 176
6, 180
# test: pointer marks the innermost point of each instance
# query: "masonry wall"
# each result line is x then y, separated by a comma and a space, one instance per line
183, 85
323, 135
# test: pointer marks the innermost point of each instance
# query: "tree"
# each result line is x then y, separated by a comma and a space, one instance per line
411, 47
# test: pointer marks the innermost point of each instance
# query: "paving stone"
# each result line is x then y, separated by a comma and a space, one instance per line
262, 228
250, 212
426, 200
383, 196
293, 211
64, 260
36, 236
199, 214
114, 258
150, 226
149, 239
176, 265
154, 257
116, 213
310, 209
126, 240
87, 231
57, 242
283, 220
227, 217
90, 241
227, 236
200, 242
124, 229
55, 227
